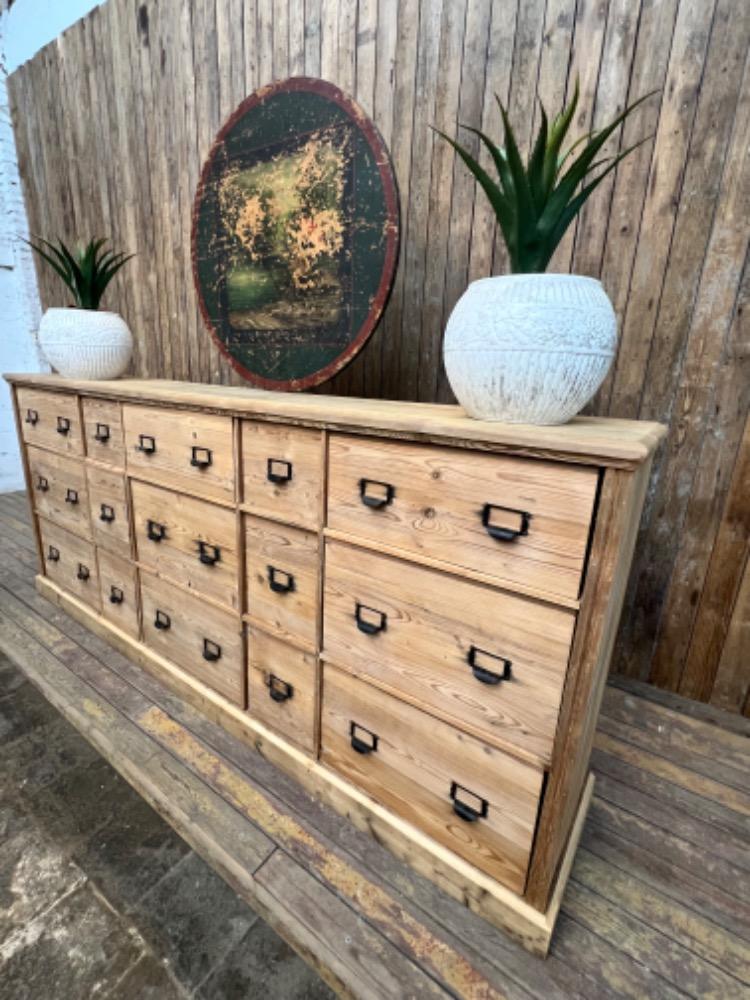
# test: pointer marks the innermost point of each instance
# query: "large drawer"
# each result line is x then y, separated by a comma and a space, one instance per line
488, 661
58, 489
102, 424
119, 590
51, 420
110, 523
190, 541
282, 568
474, 799
282, 472
185, 450
283, 688
522, 522
70, 562
197, 637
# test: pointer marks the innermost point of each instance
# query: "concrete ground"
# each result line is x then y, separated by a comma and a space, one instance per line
99, 897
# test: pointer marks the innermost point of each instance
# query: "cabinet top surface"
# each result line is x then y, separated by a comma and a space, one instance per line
603, 440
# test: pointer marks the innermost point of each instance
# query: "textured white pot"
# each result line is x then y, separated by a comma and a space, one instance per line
529, 348
86, 343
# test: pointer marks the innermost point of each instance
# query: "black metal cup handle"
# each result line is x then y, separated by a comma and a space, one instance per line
155, 531
208, 554
278, 689
107, 513
42, 484
146, 444
211, 651
359, 745
83, 572
162, 621
501, 533
32, 417
280, 581
280, 478
63, 425
102, 433
53, 554
116, 596
482, 673
378, 500
201, 458
369, 627
71, 496
468, 813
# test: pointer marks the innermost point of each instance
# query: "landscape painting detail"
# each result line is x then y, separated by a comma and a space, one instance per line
295, 234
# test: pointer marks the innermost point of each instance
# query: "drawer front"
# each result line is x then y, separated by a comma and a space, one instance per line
102, 425
283, 688
198, 638
184, 450
70, 562
192, 542
522, 522
476, 800
51, 420
282, 472
488, 661
109, 510
282, 570
58, 488
119, 590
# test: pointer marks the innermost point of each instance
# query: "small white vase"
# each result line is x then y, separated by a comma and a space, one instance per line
529, 348
86, 343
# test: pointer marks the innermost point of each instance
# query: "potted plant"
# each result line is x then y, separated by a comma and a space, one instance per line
531, 347
83, 341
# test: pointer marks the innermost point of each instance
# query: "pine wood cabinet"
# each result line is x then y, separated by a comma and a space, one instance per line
410, 611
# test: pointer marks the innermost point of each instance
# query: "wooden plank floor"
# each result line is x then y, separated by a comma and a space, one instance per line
658, 904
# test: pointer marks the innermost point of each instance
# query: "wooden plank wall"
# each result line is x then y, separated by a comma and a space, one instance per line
114, 119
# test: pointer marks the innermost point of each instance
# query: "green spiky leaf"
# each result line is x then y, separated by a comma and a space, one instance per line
86, 270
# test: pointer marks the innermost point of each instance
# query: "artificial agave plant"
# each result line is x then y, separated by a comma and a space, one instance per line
537, 201
86, 270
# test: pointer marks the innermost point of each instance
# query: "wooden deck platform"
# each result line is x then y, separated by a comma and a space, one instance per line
658, 904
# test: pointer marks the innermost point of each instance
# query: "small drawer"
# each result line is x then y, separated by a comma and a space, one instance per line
50, 420
185, 450
522, 522
192, 542
198, 638
487, 661
283, 688
474, 799
110, 524
70, 562
282, 472
102, 424
282, 570
58, 489
119, 590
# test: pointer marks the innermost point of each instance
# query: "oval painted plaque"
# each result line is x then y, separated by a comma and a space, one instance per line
295, 234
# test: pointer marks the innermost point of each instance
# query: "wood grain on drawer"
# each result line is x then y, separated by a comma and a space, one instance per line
181, 448
58, 489
102, 424
119, 590
110, 523
488, 661
282, 568
191, 542
70, 562
50, 420
283, 688
282, 472
474, 799
434, 502
196, 636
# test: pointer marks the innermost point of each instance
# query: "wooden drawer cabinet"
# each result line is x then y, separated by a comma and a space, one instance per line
474, 799
119, 591
283, 688
283, 569
188, 541
59, 490
197, 637
522, 522
110, 523
102, 425
409, 610
187, 451
489, 661
50, 420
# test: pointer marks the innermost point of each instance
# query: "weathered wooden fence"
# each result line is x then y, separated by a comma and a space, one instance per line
114, 119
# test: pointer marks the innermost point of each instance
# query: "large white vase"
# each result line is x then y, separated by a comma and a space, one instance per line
86, 343
529, 348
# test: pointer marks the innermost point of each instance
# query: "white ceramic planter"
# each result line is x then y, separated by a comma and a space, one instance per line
86, 343
529, 348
